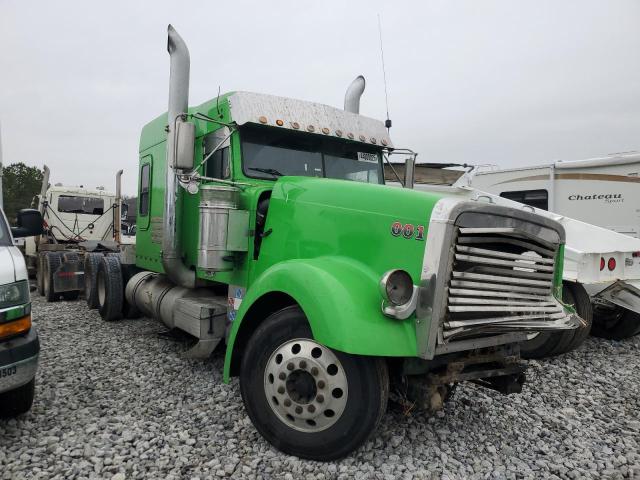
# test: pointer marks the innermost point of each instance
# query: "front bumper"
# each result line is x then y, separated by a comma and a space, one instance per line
18, 360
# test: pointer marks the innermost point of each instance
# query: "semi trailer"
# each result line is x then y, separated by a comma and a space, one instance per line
80, 225
264, 227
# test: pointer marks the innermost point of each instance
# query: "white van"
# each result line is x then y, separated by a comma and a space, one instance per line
19, 345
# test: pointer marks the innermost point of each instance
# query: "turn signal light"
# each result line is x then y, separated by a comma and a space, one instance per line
15, 327
601, 263
611, 264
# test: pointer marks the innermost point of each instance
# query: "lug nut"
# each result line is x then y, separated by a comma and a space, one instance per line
321, 384
282, 376
320, 398
298, 410
280, 390
311, 408
287, 403
303, 364
290, 366
314, 371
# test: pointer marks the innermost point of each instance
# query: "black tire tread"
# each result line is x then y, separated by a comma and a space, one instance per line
52, 261
109, 268
91, 261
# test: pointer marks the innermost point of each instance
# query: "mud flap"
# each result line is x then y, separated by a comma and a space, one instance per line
625, 294
69, 277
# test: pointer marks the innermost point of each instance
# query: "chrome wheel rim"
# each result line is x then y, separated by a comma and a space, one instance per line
305, 385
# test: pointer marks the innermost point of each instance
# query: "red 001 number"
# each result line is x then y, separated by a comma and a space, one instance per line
407, 230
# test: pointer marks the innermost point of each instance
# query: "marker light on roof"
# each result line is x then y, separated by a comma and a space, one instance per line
350, 135
311, 128
384, 142
611, 264
262, 119
362, 138
326, 131
279, 122
295, 125
338, 133
373, 140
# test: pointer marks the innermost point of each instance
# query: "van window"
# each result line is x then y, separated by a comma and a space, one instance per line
84, 205
144, 189
535, 198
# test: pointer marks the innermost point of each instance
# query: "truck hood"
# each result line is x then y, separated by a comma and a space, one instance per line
12, 266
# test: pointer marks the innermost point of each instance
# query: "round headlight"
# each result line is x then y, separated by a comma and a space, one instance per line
396, 287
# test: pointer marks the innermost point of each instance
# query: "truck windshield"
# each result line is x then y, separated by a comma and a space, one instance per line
269, 153
73, 204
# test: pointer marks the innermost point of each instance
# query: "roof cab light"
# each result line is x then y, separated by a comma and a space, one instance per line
399, 294
611, 264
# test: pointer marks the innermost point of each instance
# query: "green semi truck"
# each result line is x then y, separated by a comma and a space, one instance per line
264, 226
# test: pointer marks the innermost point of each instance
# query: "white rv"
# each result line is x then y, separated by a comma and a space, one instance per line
601, 191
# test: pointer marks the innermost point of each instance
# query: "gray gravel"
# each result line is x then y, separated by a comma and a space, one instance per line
116, 401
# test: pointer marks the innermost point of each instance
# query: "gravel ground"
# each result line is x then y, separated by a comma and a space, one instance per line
116, 401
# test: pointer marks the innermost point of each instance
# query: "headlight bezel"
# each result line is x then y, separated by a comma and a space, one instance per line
14, 294
401, 307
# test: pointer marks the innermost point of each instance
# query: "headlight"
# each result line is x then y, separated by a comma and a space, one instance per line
396, 287
13, 294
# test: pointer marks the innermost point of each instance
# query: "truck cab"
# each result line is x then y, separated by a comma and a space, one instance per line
19, 345
264, 225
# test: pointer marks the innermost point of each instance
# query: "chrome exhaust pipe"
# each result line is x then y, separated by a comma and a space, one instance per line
117, 212
354, 92
44, 187
175, 269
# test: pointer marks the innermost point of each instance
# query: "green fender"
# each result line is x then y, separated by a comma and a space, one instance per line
341, 300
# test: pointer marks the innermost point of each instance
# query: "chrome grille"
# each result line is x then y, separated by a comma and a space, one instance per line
501, 281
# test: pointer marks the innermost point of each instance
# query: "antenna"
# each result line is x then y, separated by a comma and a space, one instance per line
218, 102
387, 122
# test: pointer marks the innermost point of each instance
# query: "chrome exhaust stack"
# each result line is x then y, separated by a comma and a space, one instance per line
117, 211
175, 269
354, 92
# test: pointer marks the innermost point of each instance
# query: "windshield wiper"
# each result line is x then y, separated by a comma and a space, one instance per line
270, 171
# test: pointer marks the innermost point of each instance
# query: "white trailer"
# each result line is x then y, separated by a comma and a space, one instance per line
601, 191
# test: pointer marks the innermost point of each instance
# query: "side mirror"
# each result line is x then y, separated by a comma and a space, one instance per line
185, 144
409, 172
29, 223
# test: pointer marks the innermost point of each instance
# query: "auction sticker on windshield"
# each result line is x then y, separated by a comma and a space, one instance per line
367, 157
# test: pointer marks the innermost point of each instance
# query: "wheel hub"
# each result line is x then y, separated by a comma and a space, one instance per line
305, 385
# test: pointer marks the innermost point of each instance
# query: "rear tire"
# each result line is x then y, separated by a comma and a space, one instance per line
40, 274
329, 409
91, 261
51, 262
18, 401
110, 289
621, 325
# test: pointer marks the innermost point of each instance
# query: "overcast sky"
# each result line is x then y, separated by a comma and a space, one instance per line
499, 82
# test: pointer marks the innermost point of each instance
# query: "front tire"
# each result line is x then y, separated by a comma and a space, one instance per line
619, 325
18, 401
306, 399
